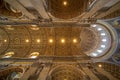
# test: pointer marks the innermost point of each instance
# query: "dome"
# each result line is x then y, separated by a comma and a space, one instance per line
66, 9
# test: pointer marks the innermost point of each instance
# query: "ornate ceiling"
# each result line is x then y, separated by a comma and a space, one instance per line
66, 72
43, 9
59, 41
65, 38
67, 9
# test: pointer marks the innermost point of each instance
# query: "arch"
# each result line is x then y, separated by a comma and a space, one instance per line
68, 68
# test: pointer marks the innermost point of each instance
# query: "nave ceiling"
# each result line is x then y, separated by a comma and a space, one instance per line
50, 41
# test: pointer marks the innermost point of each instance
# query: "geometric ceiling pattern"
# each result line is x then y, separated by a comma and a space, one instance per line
49, 41
66, 9
66, 72
22, 41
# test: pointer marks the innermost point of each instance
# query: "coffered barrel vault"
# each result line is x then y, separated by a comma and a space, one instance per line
59, 40
92, 41
23, 40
